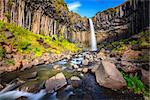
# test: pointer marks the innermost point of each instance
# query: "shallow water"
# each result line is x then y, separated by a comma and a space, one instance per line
89, 89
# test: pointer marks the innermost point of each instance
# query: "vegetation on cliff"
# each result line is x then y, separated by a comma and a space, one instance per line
137, 43
21, 48
26, 42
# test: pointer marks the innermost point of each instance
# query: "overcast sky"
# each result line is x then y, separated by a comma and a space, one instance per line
89, 8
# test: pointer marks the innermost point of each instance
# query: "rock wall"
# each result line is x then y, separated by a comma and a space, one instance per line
122, 21
48, 17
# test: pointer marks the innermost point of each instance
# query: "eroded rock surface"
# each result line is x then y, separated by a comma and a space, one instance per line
107, 75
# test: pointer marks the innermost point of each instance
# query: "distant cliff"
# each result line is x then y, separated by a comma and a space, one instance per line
122, 21
47, 17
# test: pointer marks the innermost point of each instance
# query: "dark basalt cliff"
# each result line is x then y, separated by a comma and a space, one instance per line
122, 21
48, 17
52, 17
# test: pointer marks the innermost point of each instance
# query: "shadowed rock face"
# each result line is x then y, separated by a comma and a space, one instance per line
122, 21
48, 17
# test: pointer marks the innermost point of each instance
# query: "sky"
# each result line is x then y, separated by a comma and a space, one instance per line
89, 8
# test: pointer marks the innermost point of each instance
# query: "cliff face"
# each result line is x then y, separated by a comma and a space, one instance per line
122, 21
48, 17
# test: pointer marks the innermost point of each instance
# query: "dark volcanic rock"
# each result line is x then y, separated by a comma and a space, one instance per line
129, 18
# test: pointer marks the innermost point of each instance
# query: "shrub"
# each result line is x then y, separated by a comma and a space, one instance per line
134, 83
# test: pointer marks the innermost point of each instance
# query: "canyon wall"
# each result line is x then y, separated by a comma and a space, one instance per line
47, 17
122, 21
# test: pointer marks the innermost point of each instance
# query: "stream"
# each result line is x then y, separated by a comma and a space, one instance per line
31, 86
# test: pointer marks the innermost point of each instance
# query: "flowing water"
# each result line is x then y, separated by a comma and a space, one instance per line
89, 89
93, 37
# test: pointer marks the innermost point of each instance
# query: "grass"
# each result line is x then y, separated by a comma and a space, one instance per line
27, 42
134, 83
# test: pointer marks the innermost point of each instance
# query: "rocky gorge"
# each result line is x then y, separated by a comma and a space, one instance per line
45, 52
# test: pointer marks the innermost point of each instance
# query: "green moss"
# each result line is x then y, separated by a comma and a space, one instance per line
60, 1
1, 51
10, 3
7, 15
1, 25
10, 62
2, 37
27, 42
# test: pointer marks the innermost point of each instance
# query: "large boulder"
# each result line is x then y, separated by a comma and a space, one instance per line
56, 82
107, 75
75, 81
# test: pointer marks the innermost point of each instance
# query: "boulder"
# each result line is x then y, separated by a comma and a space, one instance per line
56, 82
94, 68
56, 67
101, 55
85, 70
85, 62
75, 66
75, 81
79, 69
145, 77
107, 75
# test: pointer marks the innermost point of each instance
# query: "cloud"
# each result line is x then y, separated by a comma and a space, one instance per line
74, 6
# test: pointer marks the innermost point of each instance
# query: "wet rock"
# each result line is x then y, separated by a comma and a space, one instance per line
75, 78
79, 69
87, 56
75, 81
1, 87
55, 82
85, 70
32, 87
94, 68
22, 98
68, 57
56, 67
101, 55
75, 66
107, 75
85, 62
145, 77
29, 75
12, 86
91, 59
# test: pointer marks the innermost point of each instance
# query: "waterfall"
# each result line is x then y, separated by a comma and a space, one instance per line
93, 37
